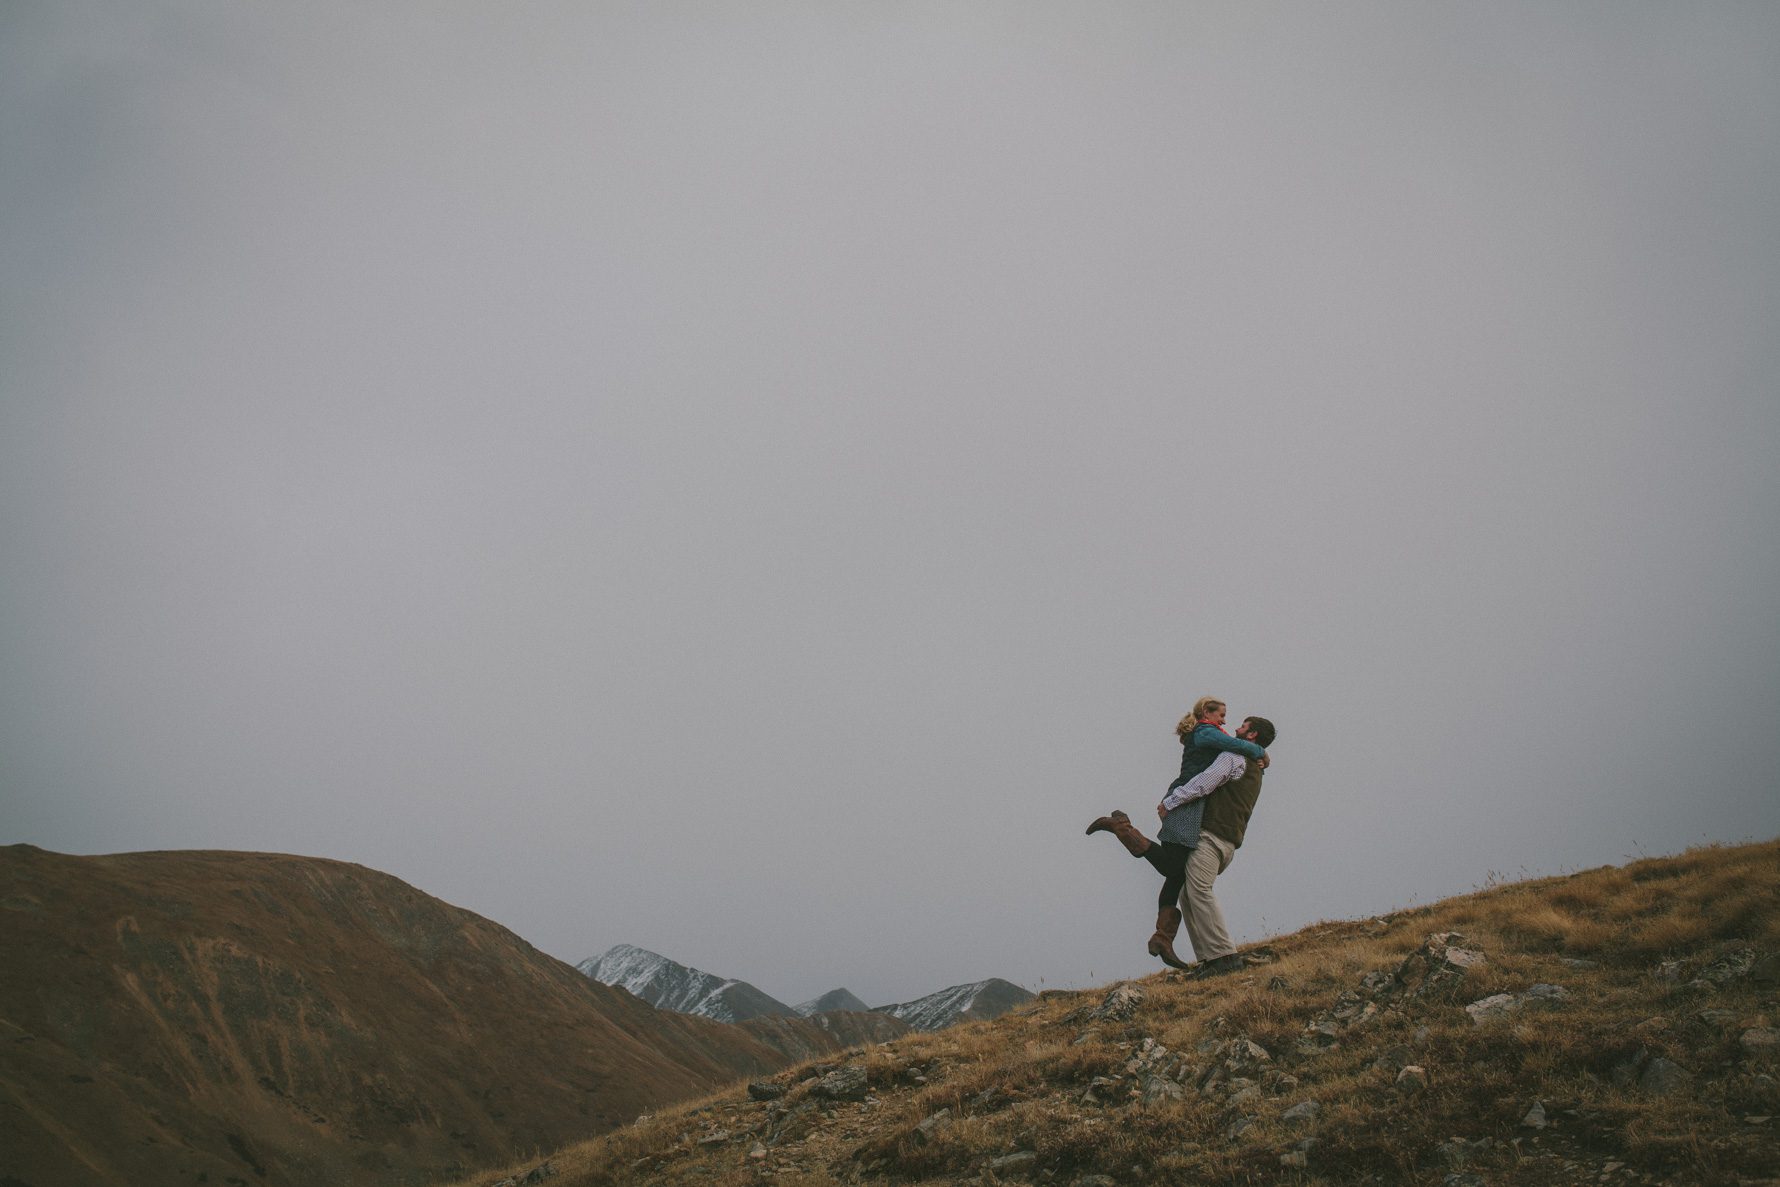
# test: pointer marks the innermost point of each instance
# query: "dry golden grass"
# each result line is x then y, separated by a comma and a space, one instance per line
1017, 1087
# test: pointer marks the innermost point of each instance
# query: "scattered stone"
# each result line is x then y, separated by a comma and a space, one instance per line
1412, 1080
1375, 983
1238, 1127
1087, 1036
1294, 1158
1100, 1088
1245, 1054
794, 1124
1278, 984
1662, 1077
1545, 993
1011, 1161
931, 1125
1717, 1019
715, 1138
765, 1090
1535, 1118
1279, 1082
1729, 967
1668, 970
1243, 1097
1161, 1088
846, 1084
1760, 1040
1578, 962
1489, 1009
1457, 1152
1302, 1114
758, 1153
1422, 1034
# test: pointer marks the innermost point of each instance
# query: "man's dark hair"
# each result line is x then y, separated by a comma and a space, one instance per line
1264, 731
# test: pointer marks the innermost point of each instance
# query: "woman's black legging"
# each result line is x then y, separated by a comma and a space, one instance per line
1170, 860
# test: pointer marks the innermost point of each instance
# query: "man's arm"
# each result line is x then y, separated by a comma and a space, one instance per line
1223, 768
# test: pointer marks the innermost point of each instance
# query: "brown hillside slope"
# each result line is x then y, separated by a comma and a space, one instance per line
189, 1017
1621, 1029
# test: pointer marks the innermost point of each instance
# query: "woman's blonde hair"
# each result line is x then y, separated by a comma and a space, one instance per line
1196, 718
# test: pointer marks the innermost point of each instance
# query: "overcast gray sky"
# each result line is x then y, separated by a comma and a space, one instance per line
754, 480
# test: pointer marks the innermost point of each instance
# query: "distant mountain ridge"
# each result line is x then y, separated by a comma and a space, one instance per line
669, 985
976, 1002
834, 999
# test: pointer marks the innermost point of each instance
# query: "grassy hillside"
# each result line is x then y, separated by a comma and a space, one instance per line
1611, 1026
259, 1018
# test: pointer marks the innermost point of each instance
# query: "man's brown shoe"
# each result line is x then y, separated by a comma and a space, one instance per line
1217, 966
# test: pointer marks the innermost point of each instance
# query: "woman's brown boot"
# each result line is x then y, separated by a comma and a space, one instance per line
1120, 826
1162, 943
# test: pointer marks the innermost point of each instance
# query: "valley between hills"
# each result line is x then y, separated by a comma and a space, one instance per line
243, 1019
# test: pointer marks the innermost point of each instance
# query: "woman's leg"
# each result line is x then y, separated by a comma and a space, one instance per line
1170, 860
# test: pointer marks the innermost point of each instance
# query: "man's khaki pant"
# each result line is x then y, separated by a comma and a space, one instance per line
1198, 906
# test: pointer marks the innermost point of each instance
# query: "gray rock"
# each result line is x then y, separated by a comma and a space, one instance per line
1161, 1088
1717, 1019
846, 1084
1493, 1007
715, 1138
1535, 1118
1545, 993
1302, 1114
1412, 1080
1119, 1004
1008, 1162
930, 1125
1238, 1127
1243, 1054
1668, 970
1294, 1158
765, 1090
1663, 1077
758, 1153
1578, 962
1729, 967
